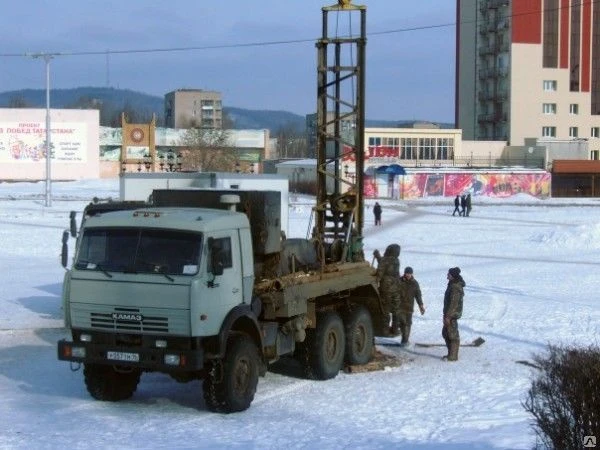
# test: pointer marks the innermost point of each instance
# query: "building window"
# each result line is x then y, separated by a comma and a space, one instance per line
445, 148
374, 141
426, 148
595, 132
409, 148
595, 155
548, 131
550, 85
574, 108
549, 108
573, 132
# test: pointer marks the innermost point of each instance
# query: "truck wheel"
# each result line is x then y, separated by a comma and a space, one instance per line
323, 352
359, 335
107, 383
230, 383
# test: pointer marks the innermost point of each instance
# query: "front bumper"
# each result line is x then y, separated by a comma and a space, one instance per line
142, 358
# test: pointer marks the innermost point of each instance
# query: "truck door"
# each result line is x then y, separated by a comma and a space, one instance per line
222, 286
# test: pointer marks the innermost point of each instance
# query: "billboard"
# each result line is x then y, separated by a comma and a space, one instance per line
26, 141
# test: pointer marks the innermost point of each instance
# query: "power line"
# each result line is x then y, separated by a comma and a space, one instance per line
266, 43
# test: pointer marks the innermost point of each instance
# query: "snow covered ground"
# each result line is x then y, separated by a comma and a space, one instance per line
531, 272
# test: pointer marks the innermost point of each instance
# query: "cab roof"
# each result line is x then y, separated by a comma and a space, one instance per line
188, 219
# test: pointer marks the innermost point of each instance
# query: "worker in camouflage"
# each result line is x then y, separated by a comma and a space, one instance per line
388, 275
453, 306
411, 291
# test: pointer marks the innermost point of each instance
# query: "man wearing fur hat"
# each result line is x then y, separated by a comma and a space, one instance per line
388, 275
453, 305
411, 291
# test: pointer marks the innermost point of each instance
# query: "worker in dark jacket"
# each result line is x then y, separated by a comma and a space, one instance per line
468, 204
456, 205
377, 213
453, 306
388, 275
411, 291
463, 205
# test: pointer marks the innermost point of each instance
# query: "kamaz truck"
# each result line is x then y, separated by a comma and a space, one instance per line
201, 284
210, 293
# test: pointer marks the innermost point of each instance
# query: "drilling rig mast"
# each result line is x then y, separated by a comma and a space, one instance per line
340, 132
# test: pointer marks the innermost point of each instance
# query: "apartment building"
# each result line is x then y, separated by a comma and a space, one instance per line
529, 69
187, 108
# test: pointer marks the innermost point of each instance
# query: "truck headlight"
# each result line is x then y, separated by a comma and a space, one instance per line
78, 352
172, 360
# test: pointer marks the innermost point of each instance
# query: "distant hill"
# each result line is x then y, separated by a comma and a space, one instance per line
120, 99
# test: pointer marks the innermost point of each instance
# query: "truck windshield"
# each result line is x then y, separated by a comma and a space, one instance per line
133, 250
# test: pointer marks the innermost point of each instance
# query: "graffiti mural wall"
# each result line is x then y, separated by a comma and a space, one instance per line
490, 184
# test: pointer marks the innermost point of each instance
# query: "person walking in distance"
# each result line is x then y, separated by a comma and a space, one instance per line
468, 204
388, 275
463, 205
411, 291
377, 213
456, 205
453, 306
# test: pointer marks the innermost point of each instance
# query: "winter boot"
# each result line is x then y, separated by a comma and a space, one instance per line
405, 335
395, 325
445, 357
453, 351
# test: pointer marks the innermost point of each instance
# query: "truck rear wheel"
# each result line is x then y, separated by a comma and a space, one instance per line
359, 335
322, 354
108, 383
230, 383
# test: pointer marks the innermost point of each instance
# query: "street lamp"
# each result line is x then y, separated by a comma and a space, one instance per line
173, 163
147, 162
47, 58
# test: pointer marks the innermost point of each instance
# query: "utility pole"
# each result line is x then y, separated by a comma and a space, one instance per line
47, 58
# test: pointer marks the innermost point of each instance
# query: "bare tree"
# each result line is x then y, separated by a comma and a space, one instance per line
208, 150
291, 143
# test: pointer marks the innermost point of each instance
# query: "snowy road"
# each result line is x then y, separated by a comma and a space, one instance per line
531, 276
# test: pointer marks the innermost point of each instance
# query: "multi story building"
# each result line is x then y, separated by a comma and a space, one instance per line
529, 69
187, 108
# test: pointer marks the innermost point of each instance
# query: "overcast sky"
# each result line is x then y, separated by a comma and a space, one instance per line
410, 73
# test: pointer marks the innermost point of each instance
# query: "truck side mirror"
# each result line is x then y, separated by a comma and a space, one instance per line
73, 223
64, 254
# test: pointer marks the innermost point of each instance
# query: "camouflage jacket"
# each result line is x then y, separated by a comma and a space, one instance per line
453, 298
388, 269
411, 291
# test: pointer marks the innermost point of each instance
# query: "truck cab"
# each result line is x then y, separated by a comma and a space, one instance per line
153, 289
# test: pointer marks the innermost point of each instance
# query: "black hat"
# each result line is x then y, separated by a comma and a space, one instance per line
408, 269
454, 272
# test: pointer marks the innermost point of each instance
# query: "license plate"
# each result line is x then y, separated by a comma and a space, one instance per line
122, 356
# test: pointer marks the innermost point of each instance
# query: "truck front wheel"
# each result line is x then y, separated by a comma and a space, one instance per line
109, 383
359, 335
322, 354
230, 383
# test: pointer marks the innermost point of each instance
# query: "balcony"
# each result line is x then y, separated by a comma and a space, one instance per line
495, 4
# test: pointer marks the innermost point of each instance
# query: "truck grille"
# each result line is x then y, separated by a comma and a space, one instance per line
147, 324
133, 320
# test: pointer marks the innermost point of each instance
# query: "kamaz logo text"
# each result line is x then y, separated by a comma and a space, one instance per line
127, 316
